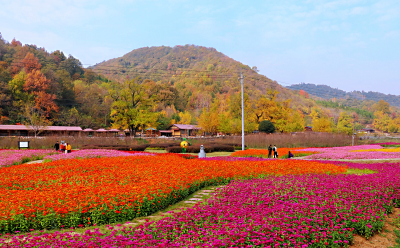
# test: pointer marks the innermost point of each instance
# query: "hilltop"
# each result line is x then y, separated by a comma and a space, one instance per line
198, 73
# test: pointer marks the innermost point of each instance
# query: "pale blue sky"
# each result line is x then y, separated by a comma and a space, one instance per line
347, 44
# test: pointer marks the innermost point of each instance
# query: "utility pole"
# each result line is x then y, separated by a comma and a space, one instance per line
241, 82
352, 137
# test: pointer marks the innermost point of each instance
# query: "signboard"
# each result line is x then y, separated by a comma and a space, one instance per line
23, 144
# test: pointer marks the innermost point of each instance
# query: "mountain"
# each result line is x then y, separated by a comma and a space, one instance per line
198, 73
327, 92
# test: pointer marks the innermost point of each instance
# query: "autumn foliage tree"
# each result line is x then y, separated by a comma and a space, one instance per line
30, 63
37, 84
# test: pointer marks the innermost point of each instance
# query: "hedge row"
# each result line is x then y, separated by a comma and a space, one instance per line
207, 148
164, 145
117, 147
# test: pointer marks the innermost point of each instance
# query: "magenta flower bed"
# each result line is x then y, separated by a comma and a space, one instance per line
388, 143
288, 211
15, 157
94, 153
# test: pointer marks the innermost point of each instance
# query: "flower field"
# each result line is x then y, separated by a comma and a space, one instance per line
288, 211
84, 192
353, 152
266, 202
263, 153
15, 157
94, 153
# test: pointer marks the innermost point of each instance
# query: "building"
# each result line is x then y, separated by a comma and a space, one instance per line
368, 130
22, 130
182, 130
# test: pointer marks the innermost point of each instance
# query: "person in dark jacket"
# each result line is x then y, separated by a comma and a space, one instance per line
269, 151
57, 146
290, 155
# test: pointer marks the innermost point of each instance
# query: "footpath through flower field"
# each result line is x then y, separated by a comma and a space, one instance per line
293, 210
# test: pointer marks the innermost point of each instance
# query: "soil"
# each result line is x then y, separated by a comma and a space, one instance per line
380, 240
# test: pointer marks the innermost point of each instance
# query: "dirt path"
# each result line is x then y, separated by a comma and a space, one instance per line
384, 239
34, 162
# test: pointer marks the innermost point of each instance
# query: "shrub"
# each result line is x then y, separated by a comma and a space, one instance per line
118, 147
266, 127
174, 149
163, 145
223, 148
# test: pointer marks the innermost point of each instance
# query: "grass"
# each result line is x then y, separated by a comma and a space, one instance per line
352, 171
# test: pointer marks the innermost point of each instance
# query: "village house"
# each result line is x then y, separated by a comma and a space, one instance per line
180, 130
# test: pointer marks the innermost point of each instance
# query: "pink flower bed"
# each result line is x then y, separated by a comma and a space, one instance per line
355, 155
347, 152
15, 157
341, 148
95, 153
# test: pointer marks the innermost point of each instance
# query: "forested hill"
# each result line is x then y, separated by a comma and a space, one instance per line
49, 88
327, 92
198, 73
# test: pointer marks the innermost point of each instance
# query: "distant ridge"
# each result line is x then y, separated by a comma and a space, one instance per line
327, 92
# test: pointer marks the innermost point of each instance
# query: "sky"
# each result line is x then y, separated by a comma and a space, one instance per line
346, 44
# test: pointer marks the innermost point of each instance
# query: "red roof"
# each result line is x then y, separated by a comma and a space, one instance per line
113, 130
101, 130
185, 126
48, 128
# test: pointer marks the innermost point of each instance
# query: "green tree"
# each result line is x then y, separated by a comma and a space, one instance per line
133, 107
381, 121
383, 106
345, 123
266, 127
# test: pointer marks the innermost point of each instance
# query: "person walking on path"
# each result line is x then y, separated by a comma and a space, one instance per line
68, 148
275, 151
290, 155
269, 151
57, 146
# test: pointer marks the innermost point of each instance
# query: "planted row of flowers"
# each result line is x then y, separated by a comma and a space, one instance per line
15, 157
85, 192
94, 153
289, 211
